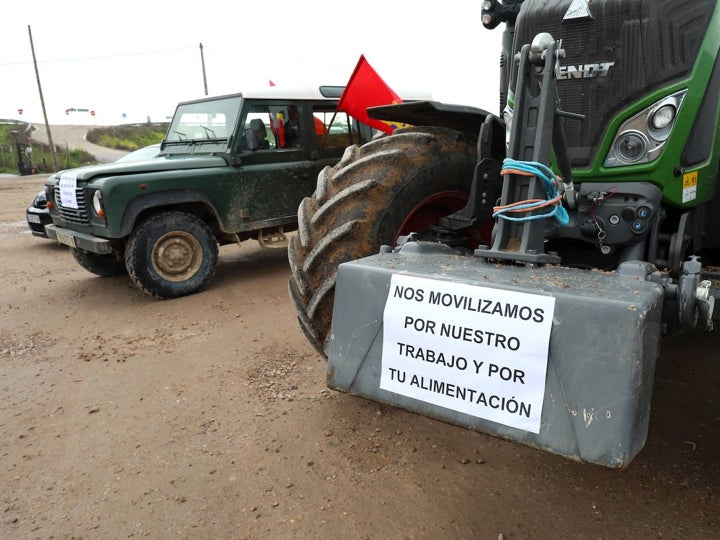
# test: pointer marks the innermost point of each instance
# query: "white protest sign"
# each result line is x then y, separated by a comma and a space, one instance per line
68, 185
475, 350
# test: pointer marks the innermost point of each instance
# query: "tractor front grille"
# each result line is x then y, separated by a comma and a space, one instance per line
649, 43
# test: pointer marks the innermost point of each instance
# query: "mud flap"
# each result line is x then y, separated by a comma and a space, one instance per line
598, 363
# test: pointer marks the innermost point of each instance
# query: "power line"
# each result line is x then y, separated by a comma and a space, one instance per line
99, 57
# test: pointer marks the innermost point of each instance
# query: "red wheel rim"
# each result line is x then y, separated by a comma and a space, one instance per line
439, 205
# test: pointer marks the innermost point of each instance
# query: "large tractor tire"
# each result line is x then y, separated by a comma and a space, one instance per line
100, 265
172, 254
389, 187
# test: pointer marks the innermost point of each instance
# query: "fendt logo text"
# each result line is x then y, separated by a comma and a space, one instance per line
584, 71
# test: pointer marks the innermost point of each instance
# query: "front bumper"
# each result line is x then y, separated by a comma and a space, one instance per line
37, 219
78, 240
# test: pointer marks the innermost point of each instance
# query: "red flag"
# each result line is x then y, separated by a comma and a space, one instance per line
271, 83
366, 89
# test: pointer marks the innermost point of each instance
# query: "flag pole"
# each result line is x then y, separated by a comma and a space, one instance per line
327, 131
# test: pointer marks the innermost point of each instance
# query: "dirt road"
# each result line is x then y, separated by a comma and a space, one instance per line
207, 417
74, 137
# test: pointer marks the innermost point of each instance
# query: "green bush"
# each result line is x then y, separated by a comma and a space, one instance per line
129, 137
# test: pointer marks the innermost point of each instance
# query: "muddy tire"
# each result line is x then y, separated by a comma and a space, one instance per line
171, 254
101, 265
389, 187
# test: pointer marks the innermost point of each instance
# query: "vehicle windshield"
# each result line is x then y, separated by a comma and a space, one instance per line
212, 119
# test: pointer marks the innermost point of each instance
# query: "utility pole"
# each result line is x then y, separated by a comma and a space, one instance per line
202, 61
42, 103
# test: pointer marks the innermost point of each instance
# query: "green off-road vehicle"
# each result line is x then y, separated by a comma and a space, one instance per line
230, 168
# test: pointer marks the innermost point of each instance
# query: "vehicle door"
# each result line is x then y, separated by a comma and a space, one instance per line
279, 164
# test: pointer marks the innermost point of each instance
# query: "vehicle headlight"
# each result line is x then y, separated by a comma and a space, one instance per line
97, 203
49, 195
662, 117
40, 200
631, 146
642, 138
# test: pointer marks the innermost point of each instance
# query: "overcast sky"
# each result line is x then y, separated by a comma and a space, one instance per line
131, 60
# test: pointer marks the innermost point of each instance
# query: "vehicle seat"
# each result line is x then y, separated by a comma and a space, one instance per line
257, 125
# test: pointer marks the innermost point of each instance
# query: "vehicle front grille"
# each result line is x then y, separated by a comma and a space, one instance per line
79, 216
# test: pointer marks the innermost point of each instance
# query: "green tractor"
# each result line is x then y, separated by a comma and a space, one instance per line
514, 273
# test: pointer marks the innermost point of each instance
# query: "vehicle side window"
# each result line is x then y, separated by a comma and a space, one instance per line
335, 128
258, 122
274, 126
287, 127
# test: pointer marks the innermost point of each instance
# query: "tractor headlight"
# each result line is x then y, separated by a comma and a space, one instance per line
662, 117
642, 138
632, 146
97, 203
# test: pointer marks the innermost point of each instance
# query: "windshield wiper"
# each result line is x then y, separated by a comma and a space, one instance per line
182, 136
209, 132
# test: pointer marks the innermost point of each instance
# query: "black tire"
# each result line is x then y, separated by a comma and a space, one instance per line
101, 265
389, 187
171, 254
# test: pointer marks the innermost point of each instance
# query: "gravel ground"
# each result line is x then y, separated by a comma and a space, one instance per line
207, 417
